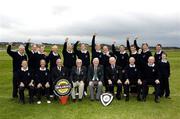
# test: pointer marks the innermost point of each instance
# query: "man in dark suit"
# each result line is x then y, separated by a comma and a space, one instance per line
42, 82
95, 78
31, 55
78, 76
133, 77
151, 77
17, 58
84, 55
158, 53
59, 72
69, 56
114, 77
53, 56
25, 80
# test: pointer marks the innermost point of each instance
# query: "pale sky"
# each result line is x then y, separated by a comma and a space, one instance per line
155, 21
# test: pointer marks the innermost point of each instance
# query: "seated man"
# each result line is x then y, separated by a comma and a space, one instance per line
78, 76
58, 72
151, 77
95, 78
114, 77
133, 77
25, 81
42, 81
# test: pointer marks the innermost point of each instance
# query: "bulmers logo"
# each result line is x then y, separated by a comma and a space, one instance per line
62, 87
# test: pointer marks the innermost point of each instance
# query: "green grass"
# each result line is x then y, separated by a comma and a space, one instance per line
166, 109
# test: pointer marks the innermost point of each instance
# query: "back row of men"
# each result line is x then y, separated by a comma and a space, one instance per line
134, 71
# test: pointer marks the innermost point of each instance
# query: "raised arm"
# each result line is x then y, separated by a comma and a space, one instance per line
75, 47
128, 45
93, 43
65, 46
9, 51
136, 45
114, 49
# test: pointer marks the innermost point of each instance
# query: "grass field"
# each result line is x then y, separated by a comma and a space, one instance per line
166, 109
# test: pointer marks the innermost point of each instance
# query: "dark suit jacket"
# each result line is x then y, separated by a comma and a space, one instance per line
100, 73
57, 74
113, 75
78, 77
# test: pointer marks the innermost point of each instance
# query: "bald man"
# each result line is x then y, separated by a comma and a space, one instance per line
78, 76
59, 72
133, 78
151, 77
114, 77
25, 81
17, 58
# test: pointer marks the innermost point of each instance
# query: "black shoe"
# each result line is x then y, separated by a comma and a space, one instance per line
15, 96
127, 98
144, 99
118, 97
31, 101
157, 100
167, 97
80, 100
74, 100
22, 101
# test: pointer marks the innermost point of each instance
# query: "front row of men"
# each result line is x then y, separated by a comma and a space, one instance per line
38, 83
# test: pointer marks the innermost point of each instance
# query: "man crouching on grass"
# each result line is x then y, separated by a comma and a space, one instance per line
25, 81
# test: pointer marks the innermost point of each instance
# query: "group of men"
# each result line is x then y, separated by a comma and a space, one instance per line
38, 71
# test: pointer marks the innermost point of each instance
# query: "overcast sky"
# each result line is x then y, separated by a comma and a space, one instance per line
155, 21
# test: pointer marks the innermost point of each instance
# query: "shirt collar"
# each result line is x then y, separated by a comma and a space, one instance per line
132, 65
55, 54
20, 54
107, 53
84, 51
164, 61
159, 52
134, 52
146, 51
59, 68
42, 69
69, 51
123, 52
98, 51
22, 69
151, 65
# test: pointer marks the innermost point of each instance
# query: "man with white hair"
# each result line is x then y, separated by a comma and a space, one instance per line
151, 77
78, 76
84, 55
95, 78
17, 58
132, 78
114, 77
53, 56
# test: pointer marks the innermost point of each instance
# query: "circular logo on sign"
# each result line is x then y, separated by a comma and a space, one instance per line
62, 87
